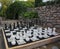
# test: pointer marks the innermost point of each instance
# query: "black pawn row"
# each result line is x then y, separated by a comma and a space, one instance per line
14, 26
17, 25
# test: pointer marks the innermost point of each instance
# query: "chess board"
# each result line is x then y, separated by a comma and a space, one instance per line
28, 37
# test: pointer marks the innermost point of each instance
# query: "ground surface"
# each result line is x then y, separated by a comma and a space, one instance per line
1, 41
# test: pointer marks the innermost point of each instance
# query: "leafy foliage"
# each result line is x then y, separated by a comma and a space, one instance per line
15, 9
28, 4
31, 14
40, 3
3, 10
5, 4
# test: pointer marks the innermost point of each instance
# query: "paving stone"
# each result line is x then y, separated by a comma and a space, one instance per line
2, 46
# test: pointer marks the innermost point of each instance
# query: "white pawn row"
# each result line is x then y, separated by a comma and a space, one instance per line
25, 35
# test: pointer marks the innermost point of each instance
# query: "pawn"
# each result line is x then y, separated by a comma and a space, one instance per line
49, 31
13, 42
54, 31
17, 35
10, 27
14, 26
45, 33
40, 29
34, 38
27, 39
18, 24
30, 24
21, 24
6, 27
21, 41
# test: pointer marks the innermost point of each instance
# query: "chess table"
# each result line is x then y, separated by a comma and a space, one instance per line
32, 44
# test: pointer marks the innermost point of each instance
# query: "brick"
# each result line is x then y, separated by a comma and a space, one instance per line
57, 26
58, 21
49, 24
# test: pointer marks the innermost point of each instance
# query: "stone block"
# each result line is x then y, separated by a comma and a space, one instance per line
58, 21
49, 24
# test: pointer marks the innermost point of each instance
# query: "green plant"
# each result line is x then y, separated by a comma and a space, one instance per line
40, 3
28, 4
30, 15
4, 5
3, 10
15, 9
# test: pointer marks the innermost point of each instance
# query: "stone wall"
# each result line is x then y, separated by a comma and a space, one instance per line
50, 15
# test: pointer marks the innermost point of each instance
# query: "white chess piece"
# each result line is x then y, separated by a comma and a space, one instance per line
9, 40
12, 40
27, 38
40, 32
29, 33
12, 37
17, 36
40, 29
21, 41
34, 38
31, 28
40, 35
35, 34
20, 33
25, 35
54, 31
49, 31
45, 33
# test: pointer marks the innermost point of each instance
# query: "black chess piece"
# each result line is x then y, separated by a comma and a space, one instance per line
32, 32
30, 24
10, 27
18, 24
35, 27
6, 27
21, 24
14, 26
